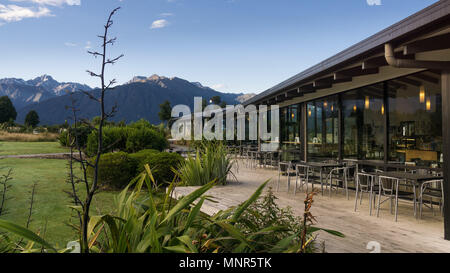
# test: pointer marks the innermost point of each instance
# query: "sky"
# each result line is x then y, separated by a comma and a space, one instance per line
236, 46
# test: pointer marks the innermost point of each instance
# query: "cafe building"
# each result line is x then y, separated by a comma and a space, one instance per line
385, 99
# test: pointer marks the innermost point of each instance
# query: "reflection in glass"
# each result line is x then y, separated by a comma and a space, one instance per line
290, 132
415, 116
363, 112
323, 126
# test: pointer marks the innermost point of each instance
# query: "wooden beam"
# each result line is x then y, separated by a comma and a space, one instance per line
306, 89
292, 94
426, 78
429, 44
410, 81
323, 83
355, 72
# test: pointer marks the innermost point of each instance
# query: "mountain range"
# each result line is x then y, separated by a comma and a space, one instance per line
23, 93
136, 99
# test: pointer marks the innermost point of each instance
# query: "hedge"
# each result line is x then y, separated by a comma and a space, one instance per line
127, 139
116, 170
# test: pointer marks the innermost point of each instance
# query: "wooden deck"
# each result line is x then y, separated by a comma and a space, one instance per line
408, 235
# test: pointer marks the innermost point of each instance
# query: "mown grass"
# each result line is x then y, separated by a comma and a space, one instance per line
22, 137
50, 209
26, 148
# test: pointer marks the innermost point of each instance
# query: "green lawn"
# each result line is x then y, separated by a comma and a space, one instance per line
51, 203
26, 148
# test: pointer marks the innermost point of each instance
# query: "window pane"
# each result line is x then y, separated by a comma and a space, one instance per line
363, 112
415, 118
323, 129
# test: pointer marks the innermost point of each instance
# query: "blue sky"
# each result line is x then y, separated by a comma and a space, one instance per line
231, 45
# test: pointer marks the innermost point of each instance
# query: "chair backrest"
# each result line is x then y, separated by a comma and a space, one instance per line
350, 171
364, 179
387, 184
302, 169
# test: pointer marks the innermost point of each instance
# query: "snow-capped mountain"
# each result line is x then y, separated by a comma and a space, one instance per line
136, 99
23, 92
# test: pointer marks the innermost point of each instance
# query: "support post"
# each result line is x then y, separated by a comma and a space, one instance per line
386, 121
340, 128
446, 149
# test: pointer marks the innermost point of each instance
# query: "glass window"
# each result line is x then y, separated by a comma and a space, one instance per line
323, 128
363, 113
415, 118
290, 131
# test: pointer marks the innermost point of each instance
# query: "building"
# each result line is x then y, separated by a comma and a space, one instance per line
386, 98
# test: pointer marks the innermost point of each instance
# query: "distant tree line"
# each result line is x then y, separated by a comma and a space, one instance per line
8, 114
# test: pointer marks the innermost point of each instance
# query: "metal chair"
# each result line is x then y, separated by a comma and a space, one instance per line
339, 175
433, 190
342, 178
389, 187
289, 170
302, 173
365, 183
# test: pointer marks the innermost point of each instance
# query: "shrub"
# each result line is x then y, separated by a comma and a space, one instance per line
126, 139
211, 163
145, 138
81, 132
265, 213
115, 170
161, 164
142, 155
114, 139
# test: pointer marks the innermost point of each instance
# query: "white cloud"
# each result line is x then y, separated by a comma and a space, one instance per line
52, 2
88, 45
13, 13
69, 44
166, 14
159, 24
373, 2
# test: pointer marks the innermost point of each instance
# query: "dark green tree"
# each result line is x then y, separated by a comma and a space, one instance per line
7, 111
32, 119
216, 100
165, 113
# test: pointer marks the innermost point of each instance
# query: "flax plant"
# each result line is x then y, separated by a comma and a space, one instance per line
212, 161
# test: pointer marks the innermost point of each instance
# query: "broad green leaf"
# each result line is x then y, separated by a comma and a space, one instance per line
193, 214
188, 242
187, 201
234, 232
177, 249
333, 232
25, 233
284, 243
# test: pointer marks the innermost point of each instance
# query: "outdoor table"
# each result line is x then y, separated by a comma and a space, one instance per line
395, 166
321, 166
414, 178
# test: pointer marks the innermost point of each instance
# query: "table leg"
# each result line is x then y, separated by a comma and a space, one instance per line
396, 201
321, 180
357, 190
